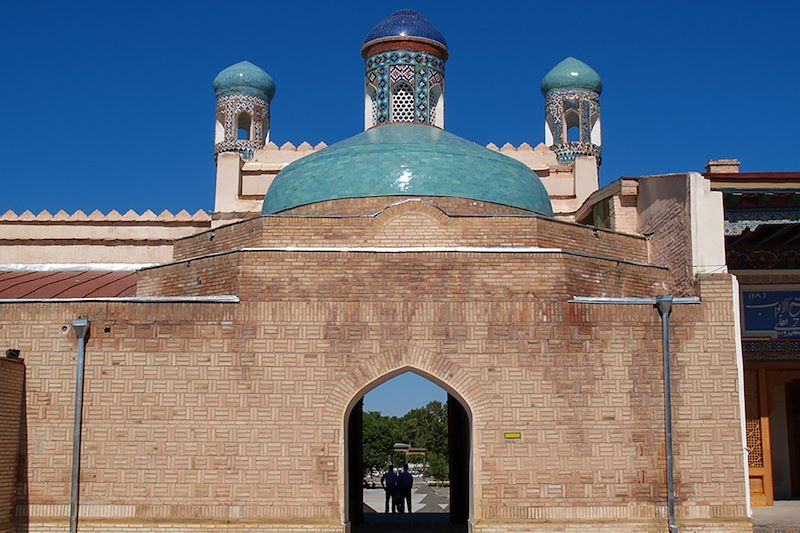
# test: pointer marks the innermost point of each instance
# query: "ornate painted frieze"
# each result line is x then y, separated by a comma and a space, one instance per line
763, 258
389, 71
228, 110
771, 349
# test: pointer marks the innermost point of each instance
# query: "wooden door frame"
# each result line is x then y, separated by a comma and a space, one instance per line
765, 382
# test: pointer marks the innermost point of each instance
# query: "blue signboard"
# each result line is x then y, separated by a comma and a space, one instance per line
772, 313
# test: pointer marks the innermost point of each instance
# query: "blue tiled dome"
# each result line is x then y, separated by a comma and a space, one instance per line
405, 23
572, 73
244, 78
407, 160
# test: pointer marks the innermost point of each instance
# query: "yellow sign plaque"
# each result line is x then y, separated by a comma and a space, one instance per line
512, 435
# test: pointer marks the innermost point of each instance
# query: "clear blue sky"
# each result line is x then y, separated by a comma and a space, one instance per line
399, 395
109, 104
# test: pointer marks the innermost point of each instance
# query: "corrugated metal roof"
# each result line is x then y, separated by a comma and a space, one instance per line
67, 284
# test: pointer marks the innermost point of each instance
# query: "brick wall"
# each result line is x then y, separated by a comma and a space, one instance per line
219, 416
413, 223
12, 388
253, 275
624, 213
664, 217
211, 275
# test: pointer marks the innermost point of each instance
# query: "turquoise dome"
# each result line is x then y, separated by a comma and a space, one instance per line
572, 74
407, 160
244, 78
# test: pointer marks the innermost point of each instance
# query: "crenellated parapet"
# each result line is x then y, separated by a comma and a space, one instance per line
80, 216
304, 146
96, 237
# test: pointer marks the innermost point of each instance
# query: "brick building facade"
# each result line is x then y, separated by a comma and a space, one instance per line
229, 351
232, 415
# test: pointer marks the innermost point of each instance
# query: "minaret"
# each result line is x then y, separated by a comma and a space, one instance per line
572, 110
404, 59
244, 93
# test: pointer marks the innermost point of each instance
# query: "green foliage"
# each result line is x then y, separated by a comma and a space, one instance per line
379, 435
425, 427
438, 466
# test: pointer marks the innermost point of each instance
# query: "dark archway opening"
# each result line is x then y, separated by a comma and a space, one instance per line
368, 517
243, 127
793, 435
572, 122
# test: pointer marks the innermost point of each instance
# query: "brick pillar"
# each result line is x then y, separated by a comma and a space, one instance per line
458, 442
12, 399
355, 461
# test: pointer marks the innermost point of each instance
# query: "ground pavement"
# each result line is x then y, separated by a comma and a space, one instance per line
783, 517
424, 499
405, 523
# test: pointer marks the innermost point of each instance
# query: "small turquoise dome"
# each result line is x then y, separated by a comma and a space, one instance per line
405, 23
407, 160
244, 78
572, 74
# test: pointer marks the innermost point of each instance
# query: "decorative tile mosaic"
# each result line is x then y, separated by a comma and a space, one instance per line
739, 220
771, 349
386, 70
406, 23
228, 109
587, 105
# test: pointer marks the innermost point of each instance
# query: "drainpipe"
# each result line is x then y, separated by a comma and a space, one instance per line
664, 306
81, 326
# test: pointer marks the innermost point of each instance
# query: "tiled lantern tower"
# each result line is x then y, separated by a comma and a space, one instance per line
572, 110
244, 93
404, 56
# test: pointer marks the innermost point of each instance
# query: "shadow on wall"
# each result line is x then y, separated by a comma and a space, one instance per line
22, 506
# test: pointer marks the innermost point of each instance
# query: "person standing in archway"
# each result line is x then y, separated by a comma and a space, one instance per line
389, 484
404, 483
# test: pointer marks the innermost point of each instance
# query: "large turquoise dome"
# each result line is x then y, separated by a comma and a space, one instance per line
407, 160
244, 78
572, 73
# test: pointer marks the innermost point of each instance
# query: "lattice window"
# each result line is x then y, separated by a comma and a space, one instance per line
755, 458
402, 103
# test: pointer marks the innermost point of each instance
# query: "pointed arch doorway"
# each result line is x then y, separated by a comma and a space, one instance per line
454, 518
